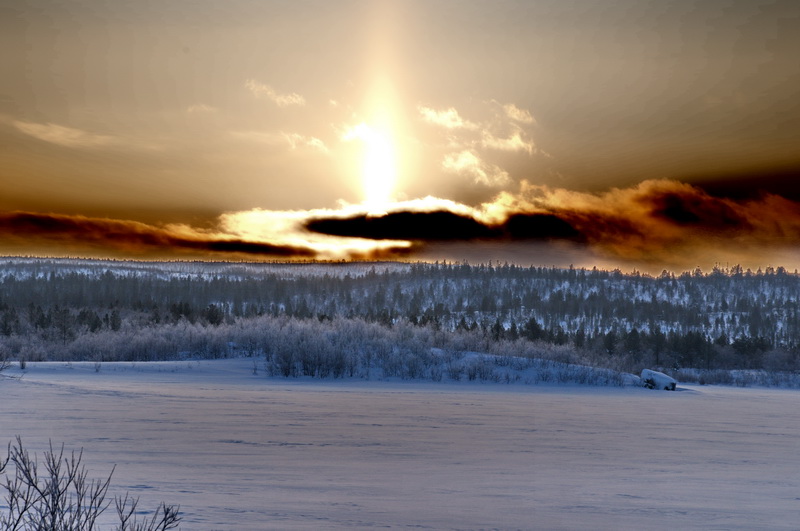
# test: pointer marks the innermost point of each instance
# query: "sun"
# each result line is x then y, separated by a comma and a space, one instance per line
378, 164
380, 168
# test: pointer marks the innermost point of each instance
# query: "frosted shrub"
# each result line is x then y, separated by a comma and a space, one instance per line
283, 363
4, 362
454, 370
486, 368
392, 363
414, 366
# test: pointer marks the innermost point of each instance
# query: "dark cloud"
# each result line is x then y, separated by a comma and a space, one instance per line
540, 227
443, 226
243, 247
414, 226
676, 223
752, 184
694, 208
130, 237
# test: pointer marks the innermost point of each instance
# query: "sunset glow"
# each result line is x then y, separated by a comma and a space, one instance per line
378, 165
615, 133
314, 203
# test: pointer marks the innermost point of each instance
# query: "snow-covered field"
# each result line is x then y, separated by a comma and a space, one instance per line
243, 451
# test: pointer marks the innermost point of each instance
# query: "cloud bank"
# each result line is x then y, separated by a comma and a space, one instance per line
654, 224
662, 221
131, 238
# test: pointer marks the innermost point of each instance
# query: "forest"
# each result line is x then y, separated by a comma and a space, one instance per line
410, 320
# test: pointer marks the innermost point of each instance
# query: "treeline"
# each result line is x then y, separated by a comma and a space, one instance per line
335, 348
726, 319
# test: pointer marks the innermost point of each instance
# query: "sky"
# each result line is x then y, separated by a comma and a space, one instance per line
642, 135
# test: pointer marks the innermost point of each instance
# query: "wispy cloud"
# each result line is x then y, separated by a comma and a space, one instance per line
518, 115
201, 108
261, 90
293, 141
65, 136
447, 118
297, 141
513, 142
360, 131
263, 137
470, 164
74, 138
470, 146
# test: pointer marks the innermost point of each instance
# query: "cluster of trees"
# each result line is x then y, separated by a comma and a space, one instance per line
71, 309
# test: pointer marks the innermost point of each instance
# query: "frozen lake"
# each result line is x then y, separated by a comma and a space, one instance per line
243, 451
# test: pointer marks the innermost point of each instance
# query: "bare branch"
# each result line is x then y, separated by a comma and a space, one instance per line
63, 498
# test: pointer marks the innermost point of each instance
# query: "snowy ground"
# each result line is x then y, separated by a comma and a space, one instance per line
243, 451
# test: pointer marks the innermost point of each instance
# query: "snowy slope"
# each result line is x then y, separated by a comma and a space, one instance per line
243, 451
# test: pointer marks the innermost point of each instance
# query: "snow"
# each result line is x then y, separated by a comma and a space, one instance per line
244, 451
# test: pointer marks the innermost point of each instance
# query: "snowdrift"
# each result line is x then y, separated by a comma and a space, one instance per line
658, 380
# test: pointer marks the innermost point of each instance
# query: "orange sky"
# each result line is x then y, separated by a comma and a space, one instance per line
660, 134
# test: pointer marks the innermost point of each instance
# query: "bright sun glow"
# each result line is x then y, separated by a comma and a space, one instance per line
379, 164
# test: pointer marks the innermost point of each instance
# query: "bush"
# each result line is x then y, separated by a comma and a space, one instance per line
61, 498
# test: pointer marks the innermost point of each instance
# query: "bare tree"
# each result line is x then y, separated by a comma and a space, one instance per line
5, 364
62, 498
165, 516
